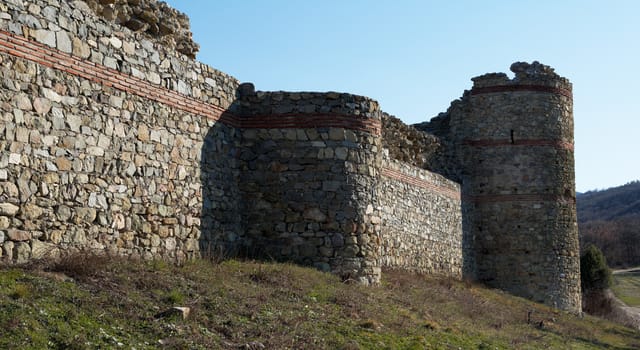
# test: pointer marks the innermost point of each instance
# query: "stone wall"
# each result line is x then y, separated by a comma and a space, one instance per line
103, 131
113, 142
421, 220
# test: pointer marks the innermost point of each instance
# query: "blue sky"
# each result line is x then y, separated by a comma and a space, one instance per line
415, 57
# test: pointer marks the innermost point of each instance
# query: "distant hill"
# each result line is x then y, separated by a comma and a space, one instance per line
610, 204
610, 219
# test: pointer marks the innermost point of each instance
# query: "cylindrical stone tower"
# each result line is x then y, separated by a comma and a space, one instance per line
515, 139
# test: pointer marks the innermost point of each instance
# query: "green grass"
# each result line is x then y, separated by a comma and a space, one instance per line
626, 286
88, 303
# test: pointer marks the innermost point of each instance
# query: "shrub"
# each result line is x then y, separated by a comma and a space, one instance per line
594, 273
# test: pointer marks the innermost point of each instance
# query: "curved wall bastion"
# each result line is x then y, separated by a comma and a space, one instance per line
112, 142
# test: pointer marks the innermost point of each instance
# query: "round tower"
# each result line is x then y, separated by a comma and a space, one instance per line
515, 139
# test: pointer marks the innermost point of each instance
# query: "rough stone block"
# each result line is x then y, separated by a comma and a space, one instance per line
42, 250
85, 215
63, 42
44, 36
22, 252
7, 249
315, 214
336, 134
14, 158
5, 223
80, 48
31, 212
63, 164
8, 209
18, 235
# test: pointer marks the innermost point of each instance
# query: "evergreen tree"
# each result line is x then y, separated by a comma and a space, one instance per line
594, 272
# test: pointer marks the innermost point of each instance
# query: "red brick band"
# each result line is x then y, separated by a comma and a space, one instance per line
21, 47
516, 88
415, 181
500, 198
559, 144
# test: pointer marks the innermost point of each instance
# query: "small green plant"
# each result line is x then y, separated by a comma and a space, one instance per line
20, 291
594, 273
158, 265
174, 297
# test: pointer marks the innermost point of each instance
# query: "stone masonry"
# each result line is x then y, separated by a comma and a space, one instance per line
510, 143
116, 141
156, 19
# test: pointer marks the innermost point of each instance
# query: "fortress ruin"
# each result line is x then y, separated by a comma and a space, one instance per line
113, 141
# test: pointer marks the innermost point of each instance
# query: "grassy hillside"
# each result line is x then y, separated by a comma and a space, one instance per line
86, 303
626, 286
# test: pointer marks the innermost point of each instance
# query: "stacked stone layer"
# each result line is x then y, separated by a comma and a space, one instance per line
421, 220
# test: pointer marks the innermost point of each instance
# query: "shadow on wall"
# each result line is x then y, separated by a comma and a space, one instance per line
276, 185
221, 223
468, 242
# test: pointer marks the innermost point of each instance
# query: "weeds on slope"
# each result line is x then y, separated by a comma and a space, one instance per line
85, 302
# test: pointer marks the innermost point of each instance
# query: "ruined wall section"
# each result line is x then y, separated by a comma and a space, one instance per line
421, 220
447, 161
154, 18
409, 144
310, 163
102, 139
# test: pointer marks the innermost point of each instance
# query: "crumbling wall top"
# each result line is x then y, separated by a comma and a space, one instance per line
154, 18
534, 73
407, 143
525, 70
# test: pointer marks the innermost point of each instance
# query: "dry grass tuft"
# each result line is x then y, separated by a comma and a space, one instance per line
81, 265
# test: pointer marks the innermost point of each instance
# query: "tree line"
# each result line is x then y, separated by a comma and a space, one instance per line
610, 220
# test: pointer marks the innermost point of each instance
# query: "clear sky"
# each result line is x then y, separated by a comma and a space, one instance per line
416, 56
